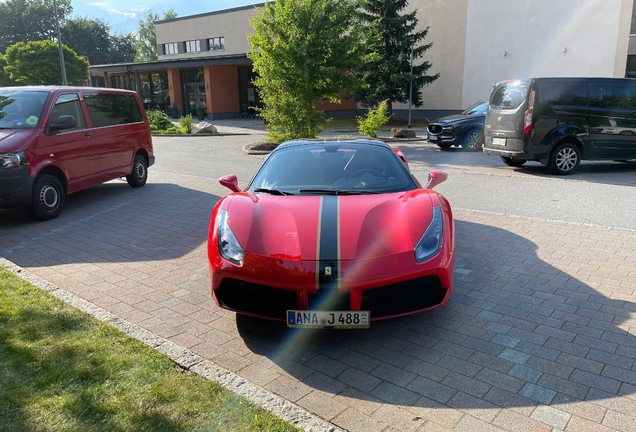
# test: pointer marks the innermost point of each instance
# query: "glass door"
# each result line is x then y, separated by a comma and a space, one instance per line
201, 97
191, 99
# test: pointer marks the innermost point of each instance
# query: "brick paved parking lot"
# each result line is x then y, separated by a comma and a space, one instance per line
540, 333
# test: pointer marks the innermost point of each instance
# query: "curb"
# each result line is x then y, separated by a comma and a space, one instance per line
247, 152
199, 135
275, 404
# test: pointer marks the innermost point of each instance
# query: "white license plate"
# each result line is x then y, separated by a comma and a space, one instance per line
499, 141
328, 319
433, 138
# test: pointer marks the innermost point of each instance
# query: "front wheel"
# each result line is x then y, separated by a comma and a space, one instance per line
473, 140
139, 173
564, 159
48, 198
513, 162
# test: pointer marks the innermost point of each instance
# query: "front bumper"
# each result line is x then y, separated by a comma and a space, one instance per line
16, 186
386, 286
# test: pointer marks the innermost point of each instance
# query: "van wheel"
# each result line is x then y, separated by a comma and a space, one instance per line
564, 159
48, 198
512, 161
139, 173
473, 140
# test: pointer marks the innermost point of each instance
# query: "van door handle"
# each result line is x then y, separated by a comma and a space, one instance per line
88, 134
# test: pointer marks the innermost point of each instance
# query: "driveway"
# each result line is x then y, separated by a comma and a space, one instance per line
540, 332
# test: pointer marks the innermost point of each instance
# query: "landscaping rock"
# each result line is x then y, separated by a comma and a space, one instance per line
204, 127
402, 133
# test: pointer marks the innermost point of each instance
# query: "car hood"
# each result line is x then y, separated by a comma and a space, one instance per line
459, 118
330, 227
15, 140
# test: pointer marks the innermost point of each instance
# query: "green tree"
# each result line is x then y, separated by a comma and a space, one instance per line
304, 51
388, 76
147, 42
30, 20
38, 63
123, 47
5, 81
89, 38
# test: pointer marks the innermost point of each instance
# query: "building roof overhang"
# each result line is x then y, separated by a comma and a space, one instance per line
172, 63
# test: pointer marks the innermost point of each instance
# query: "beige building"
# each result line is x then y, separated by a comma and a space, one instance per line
202, 58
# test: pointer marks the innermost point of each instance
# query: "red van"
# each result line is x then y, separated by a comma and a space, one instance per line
57, 140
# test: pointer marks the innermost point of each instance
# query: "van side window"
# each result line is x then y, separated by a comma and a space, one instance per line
110, 109
613, 94
68, 104
563, 92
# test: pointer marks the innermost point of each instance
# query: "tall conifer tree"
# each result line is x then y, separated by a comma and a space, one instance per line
388, 75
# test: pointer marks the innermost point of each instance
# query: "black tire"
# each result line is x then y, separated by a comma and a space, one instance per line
444, 146
473, 140
512, 161
48, 198
564, 159
139, 175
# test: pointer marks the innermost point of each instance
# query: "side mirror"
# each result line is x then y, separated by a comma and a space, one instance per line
64, 122
435, 178
401, 155
230, 182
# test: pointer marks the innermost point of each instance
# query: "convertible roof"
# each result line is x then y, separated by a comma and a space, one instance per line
302, 142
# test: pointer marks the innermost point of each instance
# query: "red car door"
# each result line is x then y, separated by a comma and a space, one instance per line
114, 131
74, 146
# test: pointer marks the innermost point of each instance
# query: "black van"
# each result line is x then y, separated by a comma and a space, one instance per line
561, 121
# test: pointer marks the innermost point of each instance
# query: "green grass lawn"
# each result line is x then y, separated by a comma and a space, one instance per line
62, 370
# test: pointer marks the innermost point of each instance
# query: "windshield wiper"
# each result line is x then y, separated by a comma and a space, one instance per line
337, 192
272, 191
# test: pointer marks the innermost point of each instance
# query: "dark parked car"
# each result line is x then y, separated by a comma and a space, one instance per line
465, 129
561, 121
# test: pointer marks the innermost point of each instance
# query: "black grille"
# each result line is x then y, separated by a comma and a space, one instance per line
329, 299
403, 297
256, 299
434, 128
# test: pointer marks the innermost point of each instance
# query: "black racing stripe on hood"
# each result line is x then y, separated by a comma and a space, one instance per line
329, 251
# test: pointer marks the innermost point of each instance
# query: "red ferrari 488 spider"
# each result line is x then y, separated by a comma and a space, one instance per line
332, 234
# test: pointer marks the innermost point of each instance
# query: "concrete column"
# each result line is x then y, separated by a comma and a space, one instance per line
174, 82
222, 92
137, 83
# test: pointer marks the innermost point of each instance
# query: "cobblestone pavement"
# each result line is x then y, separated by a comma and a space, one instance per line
539, 334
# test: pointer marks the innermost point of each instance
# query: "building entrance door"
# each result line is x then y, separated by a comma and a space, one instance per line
195, 92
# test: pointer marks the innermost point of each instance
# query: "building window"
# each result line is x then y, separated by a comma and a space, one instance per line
216, 44
193, 46
170, 48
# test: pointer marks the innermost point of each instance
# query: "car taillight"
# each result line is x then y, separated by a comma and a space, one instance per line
528, 116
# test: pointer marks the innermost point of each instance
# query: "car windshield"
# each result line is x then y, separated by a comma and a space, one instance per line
21, 109
478, 109
332, 168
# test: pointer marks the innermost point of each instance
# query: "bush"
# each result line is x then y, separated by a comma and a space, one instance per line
158, 120
374, 120
186, 124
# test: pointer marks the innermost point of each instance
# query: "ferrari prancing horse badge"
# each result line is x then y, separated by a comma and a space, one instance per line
327, 271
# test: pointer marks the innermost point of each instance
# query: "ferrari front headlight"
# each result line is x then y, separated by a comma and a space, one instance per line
229, 246
431, 242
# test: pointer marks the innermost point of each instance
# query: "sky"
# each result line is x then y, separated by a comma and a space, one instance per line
124, 15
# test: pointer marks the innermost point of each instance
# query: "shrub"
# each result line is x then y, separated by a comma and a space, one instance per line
186, 124
374, 120
158, 120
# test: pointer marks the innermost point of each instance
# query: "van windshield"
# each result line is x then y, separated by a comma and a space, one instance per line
21, 109
510, 94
